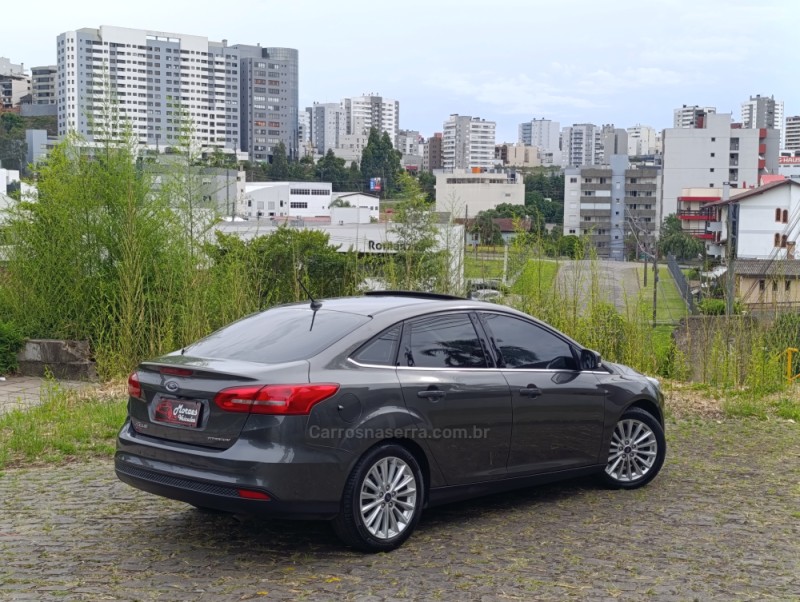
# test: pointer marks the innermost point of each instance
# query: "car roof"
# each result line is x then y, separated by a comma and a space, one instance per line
378, 303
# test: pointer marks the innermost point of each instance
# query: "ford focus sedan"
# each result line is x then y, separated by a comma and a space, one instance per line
366, 410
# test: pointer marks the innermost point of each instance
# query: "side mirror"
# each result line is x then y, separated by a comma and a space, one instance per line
590, 360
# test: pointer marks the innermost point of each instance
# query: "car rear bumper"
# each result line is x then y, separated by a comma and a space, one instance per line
223, 497
301, 482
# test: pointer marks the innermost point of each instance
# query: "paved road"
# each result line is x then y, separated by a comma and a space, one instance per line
722, 522
617, 282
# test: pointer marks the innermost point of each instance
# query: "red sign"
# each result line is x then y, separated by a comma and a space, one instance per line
789, 160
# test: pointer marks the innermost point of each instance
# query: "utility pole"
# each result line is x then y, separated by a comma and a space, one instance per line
655, 279
731, 251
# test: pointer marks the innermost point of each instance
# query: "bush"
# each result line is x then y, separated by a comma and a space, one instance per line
11, 340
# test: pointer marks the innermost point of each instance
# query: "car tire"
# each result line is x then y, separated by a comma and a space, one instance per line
636, 451
382, 500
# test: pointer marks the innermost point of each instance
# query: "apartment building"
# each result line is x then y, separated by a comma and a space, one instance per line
614, 142
13, 86
686, 116
612, 204
581, 144
544, 133
432, 157
43, 85
642, 140
517, 155
763, 112
328, 125
268, 109
372, 111
713, 151
467, 143
167, 86
792, 134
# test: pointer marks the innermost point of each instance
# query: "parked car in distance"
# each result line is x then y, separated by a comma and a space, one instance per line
366, 410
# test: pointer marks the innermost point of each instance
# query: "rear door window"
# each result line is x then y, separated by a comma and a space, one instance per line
442, 341
282, 334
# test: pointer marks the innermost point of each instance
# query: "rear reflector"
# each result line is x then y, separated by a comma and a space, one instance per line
274, 399
134, 386
253, 495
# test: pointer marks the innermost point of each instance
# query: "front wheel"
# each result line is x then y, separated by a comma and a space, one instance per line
637, 450
382, 500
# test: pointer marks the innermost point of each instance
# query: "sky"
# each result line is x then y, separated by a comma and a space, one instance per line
619, 62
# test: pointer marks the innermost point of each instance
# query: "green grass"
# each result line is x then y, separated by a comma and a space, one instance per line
748, 404
670, 306
537, 275
68, 425
478, 267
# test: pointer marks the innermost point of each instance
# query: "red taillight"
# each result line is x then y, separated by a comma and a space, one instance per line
249, 494
175, 371
134, 386
274, 399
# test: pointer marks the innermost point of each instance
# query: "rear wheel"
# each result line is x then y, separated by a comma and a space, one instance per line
382, 500
636, 452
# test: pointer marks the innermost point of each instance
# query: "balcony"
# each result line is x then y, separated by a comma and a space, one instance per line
701, 214
762, 163
762, 148
698, 233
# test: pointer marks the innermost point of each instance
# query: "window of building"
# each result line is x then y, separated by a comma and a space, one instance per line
787, 285
774, 286
298, 205
573, 180
783, 241
713, 154
776, 240
762, 285
777, 215
785, 216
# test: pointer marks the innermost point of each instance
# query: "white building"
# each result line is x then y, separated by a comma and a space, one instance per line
768, 224
714, 152
642, 141
791, 132
582, 145
789, 166
158, 80
12, 88
286, 199
372, 111
544, 133
685, 116
468, 142
360, 207
517, 155
463, 191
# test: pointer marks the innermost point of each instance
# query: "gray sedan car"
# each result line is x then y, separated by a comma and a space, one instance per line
366, 410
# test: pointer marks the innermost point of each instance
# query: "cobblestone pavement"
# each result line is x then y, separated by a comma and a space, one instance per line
721, 522
20, 392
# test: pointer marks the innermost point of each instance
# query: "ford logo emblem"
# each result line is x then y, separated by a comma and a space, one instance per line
171, 386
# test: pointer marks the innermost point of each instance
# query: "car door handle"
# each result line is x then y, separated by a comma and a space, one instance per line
530, 391
431, 394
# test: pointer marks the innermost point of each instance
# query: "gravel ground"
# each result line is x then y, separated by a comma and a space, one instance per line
721, 522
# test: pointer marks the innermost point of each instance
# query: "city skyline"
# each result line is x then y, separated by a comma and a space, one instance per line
574, 62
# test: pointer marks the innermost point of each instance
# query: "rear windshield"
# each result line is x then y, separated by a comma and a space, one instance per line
282, 334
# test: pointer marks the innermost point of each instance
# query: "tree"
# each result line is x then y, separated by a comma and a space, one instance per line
427, 182
379, 159
279, 167
676, 242
331, 169
488, 232
416, 231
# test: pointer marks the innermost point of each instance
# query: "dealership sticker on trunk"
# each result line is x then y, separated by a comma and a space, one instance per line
176, 411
